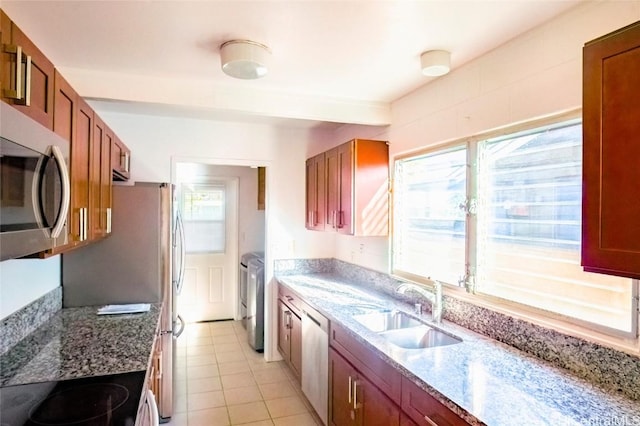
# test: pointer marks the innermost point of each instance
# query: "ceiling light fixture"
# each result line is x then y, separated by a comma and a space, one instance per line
244, 59
435, 63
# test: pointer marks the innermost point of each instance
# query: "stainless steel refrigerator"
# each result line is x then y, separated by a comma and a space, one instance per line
142, 261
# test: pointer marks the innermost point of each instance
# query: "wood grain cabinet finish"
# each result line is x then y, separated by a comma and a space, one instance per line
316, 200
100, 180
354, 400
611, 178
381, 374
424, 409
27, 75
120, 159
353, 196
357, 191
290, 330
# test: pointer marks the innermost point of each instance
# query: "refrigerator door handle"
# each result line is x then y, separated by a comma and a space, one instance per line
179, 318
183, 253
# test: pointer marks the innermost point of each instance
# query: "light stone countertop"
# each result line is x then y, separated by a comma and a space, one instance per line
482, 380
76, 342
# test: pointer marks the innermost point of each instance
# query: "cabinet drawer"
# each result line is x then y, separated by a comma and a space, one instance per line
384, 376
290, 299
425, 409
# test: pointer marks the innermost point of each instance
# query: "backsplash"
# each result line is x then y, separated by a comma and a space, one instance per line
613, 370
18, 325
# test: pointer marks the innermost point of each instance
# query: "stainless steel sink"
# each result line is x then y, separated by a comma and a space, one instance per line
387, 320
405, 331
419, 337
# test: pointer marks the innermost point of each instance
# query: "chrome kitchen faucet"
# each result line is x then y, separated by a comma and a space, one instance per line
434, 297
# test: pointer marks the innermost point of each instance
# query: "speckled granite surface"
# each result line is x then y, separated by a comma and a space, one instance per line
76, 342
484, 381
18, 325
614, 370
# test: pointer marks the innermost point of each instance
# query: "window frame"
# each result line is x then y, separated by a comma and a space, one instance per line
468, 292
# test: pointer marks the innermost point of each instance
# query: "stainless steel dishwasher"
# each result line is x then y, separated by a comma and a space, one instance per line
315, 360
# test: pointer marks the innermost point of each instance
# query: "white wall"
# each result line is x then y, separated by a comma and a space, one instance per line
156, 141
534, 75
24, 280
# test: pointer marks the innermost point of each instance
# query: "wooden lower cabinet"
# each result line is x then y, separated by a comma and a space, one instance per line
290, 337
354, 399
425, 409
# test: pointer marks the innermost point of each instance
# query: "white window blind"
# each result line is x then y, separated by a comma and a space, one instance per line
529, 228
203, 213
429, 225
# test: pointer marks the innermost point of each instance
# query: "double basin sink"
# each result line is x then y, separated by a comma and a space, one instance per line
405, 331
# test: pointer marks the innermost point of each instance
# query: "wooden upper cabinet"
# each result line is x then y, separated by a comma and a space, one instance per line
611, 129
27, 75
120, 160
315, 179
357, 188
64, 124
100, 180
81, 171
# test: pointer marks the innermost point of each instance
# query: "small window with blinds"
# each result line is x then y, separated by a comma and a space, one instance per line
203, 214
524, 236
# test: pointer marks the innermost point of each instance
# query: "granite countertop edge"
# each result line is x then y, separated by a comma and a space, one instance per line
488, 382
77, 343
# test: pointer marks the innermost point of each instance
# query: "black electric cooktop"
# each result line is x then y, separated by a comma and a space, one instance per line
93, 401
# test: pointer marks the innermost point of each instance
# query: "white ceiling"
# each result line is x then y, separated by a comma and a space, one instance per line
336, 61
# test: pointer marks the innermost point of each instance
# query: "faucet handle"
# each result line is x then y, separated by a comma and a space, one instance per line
418, 308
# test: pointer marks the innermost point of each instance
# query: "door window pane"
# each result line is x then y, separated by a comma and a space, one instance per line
203, 213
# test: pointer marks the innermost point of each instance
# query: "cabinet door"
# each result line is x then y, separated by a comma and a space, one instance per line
98, 215
64, 124
6, 57
611, 207
81, 172
373, 407
332, 197
296, 344
120, 159
284, 336
345, 188
341, 376
105, 180
37, 101
315, 179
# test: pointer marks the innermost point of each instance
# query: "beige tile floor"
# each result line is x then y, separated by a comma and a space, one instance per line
222, 381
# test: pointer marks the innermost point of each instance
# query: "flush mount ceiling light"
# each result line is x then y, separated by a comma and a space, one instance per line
244, 59
435, 62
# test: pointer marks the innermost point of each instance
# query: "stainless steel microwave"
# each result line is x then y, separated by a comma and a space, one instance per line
34, 186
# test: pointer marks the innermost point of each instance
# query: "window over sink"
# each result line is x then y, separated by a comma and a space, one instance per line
500, 214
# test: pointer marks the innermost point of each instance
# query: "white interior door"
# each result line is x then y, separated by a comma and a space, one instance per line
210, 215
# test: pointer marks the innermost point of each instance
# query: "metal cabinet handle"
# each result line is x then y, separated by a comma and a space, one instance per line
85, 213
81, 224
27, 92
125, 161
334, 215
108, 220
350, 386
15, 92
355, 394
430, 422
